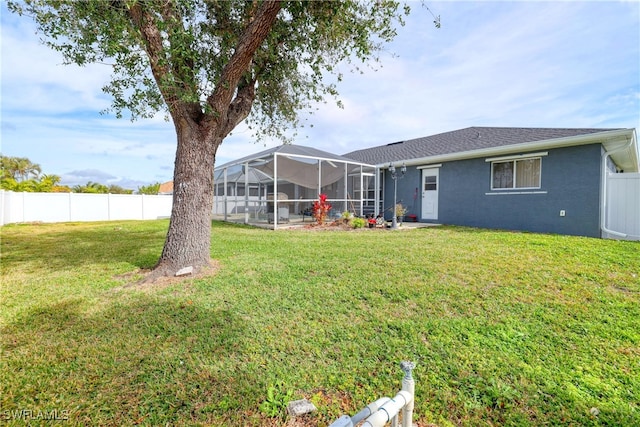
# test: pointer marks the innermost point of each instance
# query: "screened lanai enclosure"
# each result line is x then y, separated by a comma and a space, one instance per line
278, 186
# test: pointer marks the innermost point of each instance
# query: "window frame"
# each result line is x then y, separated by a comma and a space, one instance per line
514, 161
432, 184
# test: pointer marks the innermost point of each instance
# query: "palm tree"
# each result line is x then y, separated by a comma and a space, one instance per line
149, 189
5, 167
116, 189
91, 187
48, 182
20, 168
25, 169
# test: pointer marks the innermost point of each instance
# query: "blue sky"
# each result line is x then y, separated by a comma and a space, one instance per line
524, 64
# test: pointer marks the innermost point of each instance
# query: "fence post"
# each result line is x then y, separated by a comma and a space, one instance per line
408, 385
1, 207
23, 206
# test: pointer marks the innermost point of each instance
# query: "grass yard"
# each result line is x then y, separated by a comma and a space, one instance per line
506, 328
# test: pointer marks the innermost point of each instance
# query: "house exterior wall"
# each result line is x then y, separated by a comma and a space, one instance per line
408, 193
570, 181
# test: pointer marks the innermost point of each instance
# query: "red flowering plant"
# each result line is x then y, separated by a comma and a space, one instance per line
321, 209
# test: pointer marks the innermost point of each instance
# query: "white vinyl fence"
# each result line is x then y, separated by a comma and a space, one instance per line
64, 207
623, 205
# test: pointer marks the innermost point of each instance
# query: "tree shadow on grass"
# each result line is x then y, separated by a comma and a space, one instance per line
140, 360
56, 250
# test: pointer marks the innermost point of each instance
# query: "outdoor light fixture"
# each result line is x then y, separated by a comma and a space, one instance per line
395, 176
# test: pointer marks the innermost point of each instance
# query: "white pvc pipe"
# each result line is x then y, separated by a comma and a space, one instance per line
370, 409
389, 410
408, 385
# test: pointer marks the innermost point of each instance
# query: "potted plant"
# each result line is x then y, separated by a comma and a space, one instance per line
400, 212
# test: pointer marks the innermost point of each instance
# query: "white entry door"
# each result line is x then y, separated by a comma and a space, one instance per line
430, 194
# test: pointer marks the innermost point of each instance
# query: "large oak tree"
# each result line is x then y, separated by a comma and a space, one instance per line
211, 65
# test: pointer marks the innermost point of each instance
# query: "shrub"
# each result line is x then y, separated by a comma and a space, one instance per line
321, 209
358, 222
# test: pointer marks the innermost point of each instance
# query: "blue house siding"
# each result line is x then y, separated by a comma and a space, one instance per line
570, 178
409, 194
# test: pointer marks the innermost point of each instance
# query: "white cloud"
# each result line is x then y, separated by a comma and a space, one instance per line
551, 64
34, 78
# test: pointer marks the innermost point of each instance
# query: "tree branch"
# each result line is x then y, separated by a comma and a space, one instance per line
143, 21
240, 107
182, 65
229, 84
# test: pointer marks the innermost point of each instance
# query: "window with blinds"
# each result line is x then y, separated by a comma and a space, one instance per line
522, 173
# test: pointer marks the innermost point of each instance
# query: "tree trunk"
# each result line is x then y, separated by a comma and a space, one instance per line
188, 240
200, 134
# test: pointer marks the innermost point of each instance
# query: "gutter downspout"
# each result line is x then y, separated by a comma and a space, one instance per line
603, 216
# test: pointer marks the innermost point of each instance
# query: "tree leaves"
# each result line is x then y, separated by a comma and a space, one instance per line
168, 54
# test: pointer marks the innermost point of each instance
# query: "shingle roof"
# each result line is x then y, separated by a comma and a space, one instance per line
463, 140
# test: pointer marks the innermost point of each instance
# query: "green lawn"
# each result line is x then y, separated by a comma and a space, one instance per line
506, 328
